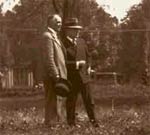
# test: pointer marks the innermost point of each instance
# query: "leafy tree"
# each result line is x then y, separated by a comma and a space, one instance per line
146, 9
23, 26
31, 16
107, 40
132, 52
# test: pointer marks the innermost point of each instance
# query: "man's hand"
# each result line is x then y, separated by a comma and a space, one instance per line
39, 85
56, 79
80, 63
89, 70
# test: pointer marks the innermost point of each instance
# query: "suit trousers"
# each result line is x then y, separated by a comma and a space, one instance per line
50, 102
77, 87
54, 105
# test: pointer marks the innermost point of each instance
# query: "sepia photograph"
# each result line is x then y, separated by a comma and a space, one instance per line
74, 67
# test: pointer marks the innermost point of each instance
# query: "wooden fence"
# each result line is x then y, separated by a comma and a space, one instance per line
17, 77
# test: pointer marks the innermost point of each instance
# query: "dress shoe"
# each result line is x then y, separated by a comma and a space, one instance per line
94, 123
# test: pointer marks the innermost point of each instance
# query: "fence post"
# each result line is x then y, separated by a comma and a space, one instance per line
147, 51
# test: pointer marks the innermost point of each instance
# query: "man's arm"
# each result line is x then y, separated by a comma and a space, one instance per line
88, 60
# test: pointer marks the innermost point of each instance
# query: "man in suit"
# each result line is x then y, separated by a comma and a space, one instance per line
78, 68
54, 65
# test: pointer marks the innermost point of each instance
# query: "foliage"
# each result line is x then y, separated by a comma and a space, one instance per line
110, 49
108, 41
132, 54
145, 8
125, 120
23, 26
32, 15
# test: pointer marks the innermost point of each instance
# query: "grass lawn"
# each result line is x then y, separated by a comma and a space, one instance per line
121, 110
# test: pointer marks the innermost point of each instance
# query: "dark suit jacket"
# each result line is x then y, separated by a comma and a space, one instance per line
76, 53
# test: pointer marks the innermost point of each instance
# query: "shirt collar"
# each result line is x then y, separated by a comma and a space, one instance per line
73, 41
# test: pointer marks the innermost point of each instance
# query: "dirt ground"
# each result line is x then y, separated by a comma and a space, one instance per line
116, 114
